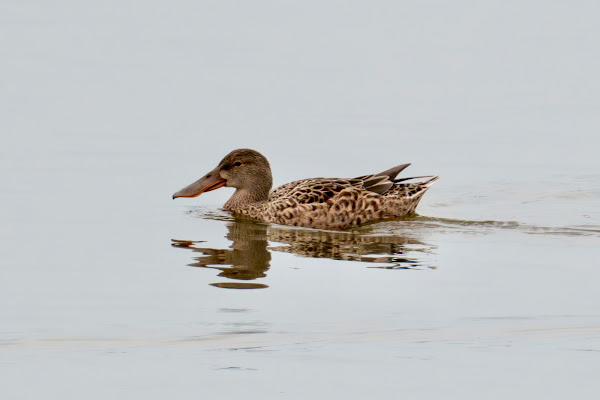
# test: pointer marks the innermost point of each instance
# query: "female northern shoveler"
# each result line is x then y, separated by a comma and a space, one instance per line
322, 203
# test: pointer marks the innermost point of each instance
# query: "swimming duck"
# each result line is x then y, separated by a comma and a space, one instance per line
321, 203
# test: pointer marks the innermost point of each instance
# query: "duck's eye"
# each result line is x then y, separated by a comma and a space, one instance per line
237, 163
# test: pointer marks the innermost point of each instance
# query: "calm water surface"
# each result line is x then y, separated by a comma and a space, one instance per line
111, 289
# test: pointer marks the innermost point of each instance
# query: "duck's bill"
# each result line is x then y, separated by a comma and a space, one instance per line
207, 183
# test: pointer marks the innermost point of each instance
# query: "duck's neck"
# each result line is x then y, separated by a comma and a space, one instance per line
254, 190
243, 198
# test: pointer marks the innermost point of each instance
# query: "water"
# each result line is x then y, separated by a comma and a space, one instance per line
110, 288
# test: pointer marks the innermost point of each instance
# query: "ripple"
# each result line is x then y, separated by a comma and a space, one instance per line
487, 225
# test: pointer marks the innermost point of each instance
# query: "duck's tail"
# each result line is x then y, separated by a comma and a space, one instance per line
403, 198
433, 178
429, 182
414, 190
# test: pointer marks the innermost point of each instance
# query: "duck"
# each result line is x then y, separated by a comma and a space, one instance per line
318, 203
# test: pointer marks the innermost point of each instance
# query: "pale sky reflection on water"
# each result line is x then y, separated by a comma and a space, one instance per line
108, 109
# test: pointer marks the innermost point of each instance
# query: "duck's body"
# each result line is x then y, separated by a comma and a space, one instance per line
332, 203
322, 203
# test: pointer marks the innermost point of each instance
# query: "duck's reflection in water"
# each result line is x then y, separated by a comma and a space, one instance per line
246, 259
249, 255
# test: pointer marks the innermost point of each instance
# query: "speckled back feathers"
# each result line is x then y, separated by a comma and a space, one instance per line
332, 203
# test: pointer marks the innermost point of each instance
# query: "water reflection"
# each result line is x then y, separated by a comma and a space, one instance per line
246, 259
249, 256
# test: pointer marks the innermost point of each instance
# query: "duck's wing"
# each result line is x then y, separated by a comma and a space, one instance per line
319, 190
315, 190
381, 182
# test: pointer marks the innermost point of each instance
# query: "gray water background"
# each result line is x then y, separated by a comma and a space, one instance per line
110, 107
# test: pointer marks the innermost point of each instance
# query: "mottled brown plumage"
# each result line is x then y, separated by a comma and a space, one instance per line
322, 203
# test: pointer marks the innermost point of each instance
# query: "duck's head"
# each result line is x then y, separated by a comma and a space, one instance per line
246, 170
